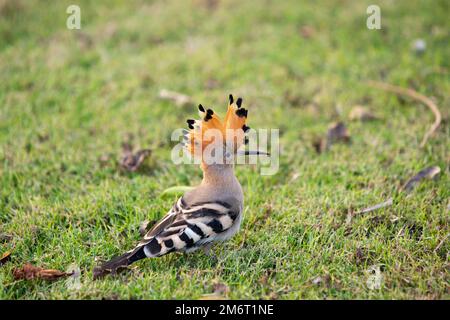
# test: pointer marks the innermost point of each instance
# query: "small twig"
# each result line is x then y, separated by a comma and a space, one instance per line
428, 173
417, 96
384, 204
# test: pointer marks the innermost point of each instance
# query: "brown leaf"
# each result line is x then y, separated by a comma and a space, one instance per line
29, 272
337, 132
360, 113
132, 161
5, 258
427, 173
181, 100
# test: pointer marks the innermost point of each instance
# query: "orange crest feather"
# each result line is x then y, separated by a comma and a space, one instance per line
232, 130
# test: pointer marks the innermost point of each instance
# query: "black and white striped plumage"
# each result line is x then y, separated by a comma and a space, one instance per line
212, 212
188, 227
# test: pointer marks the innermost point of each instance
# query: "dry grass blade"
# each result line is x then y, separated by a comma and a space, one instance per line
417, 96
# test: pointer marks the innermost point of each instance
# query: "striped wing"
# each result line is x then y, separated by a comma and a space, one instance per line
186, 228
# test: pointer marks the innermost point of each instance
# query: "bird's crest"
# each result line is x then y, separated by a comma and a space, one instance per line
210, 132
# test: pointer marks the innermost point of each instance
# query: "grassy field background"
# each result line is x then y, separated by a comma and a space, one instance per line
69, 98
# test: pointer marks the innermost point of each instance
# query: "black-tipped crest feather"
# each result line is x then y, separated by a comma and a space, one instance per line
239, 102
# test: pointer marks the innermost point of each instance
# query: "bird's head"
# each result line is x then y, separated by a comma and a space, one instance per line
215, 142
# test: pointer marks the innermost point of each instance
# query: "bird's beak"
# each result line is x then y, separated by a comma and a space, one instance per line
252, 153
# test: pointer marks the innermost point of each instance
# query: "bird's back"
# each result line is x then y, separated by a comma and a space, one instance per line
201, 216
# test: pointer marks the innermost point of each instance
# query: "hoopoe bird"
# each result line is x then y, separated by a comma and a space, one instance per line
212, 211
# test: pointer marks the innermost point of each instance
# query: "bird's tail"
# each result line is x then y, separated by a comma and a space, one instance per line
120, 262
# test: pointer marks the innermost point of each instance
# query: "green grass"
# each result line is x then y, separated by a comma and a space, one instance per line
69, 97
